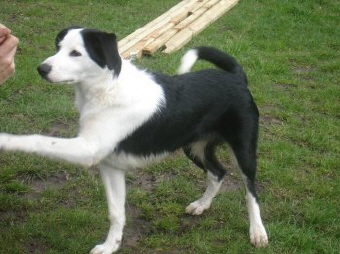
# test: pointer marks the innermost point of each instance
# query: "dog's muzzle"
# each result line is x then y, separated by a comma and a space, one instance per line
44, 70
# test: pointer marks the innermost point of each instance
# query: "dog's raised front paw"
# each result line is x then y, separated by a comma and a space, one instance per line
4, 139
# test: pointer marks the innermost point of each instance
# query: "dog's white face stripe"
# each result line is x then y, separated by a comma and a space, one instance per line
72, 63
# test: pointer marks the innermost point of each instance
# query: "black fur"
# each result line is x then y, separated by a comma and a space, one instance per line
60, 36
213, 105
102, 48
223, 61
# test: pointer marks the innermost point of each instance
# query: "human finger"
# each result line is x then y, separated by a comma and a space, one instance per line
8, 45
7, 73
4, 32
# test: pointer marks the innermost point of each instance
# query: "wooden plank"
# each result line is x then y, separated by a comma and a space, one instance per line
167, 17
182, 37
212, 15
152, 23
161, 30
179, 40
136, 51
134, 47
197, 11
159, 42
199, 5
141, 35
196, 14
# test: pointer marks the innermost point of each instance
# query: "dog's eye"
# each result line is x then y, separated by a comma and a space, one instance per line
75, 53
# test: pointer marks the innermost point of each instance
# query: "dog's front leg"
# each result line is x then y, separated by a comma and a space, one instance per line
75, 150
114, 183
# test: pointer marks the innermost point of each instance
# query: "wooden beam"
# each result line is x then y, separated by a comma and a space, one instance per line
174, 28
185, 35
196, 12
175, 14
152, 23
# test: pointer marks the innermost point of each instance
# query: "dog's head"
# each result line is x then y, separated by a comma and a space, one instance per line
82, 55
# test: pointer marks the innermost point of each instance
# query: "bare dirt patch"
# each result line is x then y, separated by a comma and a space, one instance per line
287, 87
61, 128
136, 227
36, 246
267, 120
302, 69
54, 181
230, 183
40, 183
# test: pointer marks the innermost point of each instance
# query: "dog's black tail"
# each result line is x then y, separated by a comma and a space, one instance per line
212, 55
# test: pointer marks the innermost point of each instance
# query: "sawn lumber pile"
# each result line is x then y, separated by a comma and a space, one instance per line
173, 29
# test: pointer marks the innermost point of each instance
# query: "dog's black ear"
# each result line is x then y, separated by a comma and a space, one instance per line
102, 48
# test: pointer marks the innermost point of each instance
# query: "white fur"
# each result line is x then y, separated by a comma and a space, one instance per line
110, 109
188, 60
108, 113
114, 182
258, 235
197, 207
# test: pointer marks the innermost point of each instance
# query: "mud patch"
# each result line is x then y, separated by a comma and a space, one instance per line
61, 128
55, 181
287, 87
304, 72
231, 183
36, 246
136, 227
267, 120
38, 183
302, 69
57, 127
142, 180
12, 216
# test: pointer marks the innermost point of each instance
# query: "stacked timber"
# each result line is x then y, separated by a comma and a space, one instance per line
173, 29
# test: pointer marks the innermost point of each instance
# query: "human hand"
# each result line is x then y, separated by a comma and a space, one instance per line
8, 47
4, 32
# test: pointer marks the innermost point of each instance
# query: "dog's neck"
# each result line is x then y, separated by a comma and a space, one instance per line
98, 92
104, 90
131, 88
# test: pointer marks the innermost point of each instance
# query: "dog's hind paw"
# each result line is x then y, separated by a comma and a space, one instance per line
258, 236
197, 207
105, 249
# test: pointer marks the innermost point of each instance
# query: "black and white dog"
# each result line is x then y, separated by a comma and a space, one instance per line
130, 117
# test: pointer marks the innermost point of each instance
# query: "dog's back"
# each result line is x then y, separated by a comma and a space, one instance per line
201, 104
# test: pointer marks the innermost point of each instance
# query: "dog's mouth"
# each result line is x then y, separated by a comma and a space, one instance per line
68, 81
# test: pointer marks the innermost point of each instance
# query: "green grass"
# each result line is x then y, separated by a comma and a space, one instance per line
289, 50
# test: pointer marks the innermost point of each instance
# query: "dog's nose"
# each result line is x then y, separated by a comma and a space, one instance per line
44, 69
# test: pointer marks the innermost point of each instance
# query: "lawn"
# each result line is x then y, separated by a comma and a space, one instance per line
290, 51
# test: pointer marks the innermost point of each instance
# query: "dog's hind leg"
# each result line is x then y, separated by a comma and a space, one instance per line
114, 183
246, 160
202, 154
